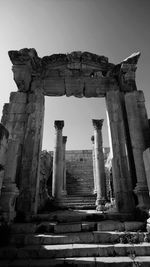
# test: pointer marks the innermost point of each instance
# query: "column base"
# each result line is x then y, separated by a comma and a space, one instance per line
64, 192
100, 204
143, 197
94, 192
148, 223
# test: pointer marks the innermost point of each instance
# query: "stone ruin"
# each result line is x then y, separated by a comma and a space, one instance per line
79, 74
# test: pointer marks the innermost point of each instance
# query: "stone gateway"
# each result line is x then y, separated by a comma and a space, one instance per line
79, 74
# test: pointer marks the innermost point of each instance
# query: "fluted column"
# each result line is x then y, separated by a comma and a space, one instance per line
64, 140
57, 161
94, 170
99, 165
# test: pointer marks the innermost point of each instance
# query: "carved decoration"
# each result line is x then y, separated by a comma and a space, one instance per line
58, 125
97, 124
27, 66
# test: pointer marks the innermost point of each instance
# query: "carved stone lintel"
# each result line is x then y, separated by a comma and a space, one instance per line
98, 124
58, 125
64, 139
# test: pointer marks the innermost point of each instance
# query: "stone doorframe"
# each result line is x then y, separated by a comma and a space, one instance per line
79, 74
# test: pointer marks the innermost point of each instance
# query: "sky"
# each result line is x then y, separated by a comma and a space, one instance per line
113, 28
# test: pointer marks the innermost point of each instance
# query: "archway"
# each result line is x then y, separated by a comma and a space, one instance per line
81, 74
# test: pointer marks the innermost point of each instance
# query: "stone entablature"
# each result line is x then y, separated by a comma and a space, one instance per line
81, 74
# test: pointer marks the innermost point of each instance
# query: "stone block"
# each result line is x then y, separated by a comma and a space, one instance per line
102, 237
146, 158
3, 149
54, 87
134, 226
95, 87
74, 86
1, 179
11, 160
67, 228
110, 226
15, 117
18, 97
14, 108
22, 77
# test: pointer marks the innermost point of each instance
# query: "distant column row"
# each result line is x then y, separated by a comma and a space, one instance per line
59, 168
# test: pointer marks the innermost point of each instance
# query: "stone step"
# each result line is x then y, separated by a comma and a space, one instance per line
74, 250
76, 206
53, 227
94, 237
80, 262
78, 201
74, 227
80, 197
81, 215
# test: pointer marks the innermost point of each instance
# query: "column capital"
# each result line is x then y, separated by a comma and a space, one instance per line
64, 139
58, 125
97, 124
92, 139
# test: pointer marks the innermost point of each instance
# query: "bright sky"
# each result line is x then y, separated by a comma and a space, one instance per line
113, 28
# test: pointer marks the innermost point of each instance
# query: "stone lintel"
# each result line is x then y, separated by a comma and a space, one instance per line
81, 74
58, 124
98, 124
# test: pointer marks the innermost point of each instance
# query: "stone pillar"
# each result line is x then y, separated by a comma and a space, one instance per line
120, 167
138, 147
143, 117
30, 167
15, 120
99, 165
9, 190
64, 192
57, 161
4, 134
94, 169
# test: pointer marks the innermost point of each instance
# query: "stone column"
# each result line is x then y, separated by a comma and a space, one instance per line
94, 169
120, 167
15, 120
143, 117
99, 165
57, 161
138, 147
64, 192
30, 166
9, 190
4, 134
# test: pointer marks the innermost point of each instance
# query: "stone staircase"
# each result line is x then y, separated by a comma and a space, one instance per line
77, 238
77, 202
